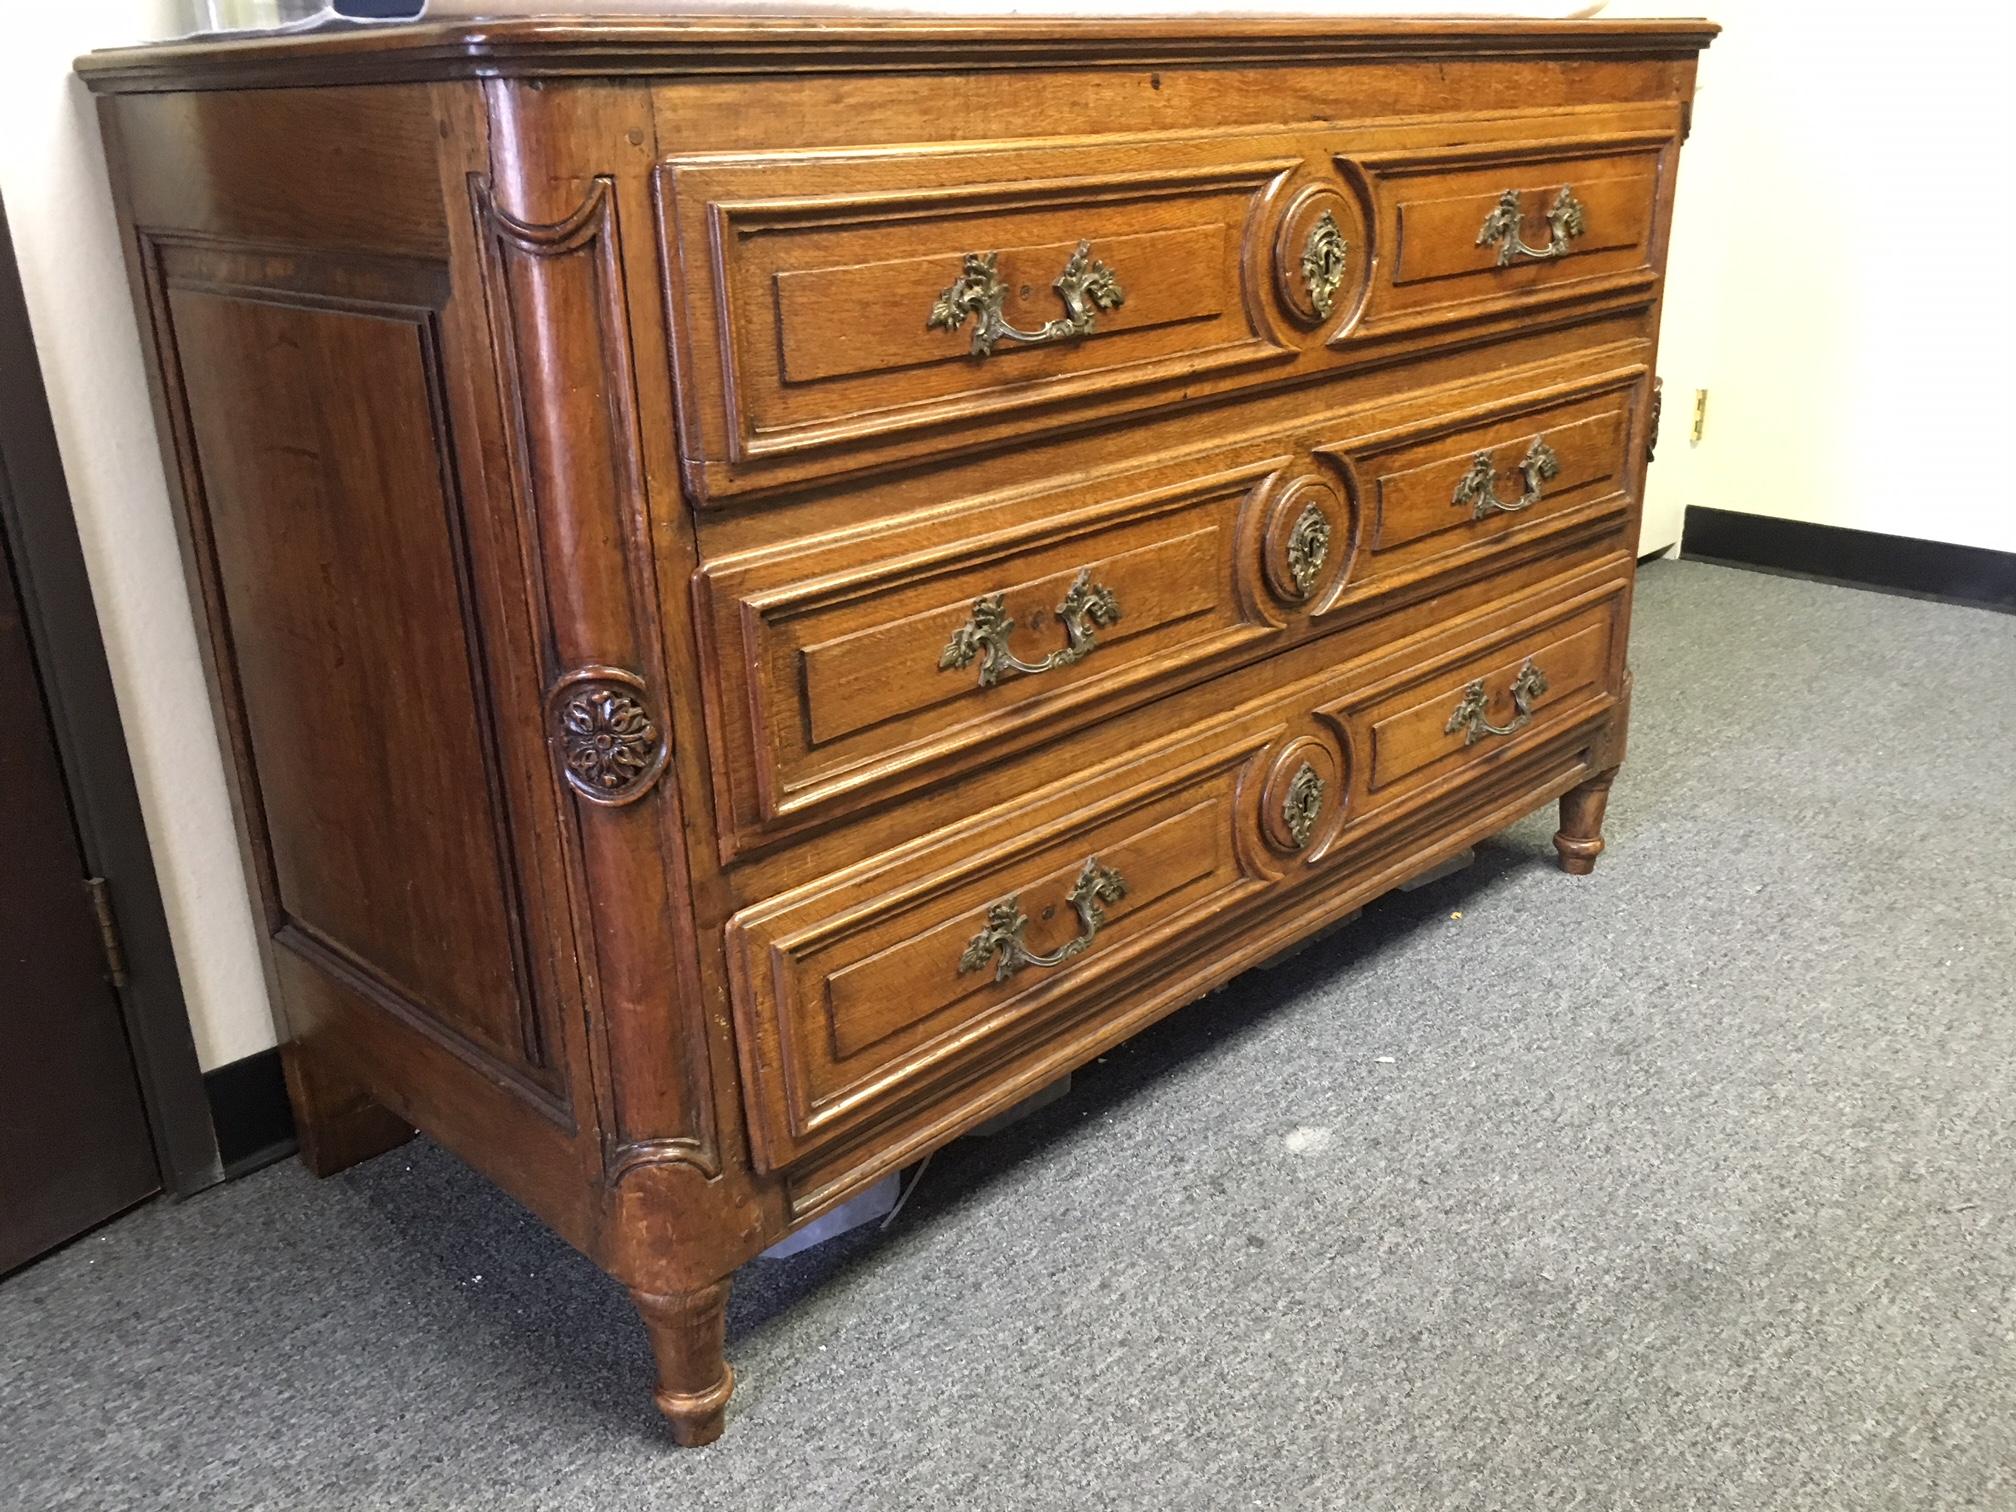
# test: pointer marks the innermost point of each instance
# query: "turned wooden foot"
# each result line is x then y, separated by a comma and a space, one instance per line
695, 1380
1580, 838
335, 1119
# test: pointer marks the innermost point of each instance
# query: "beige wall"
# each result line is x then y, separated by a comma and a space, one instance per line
1834, 280
61, 218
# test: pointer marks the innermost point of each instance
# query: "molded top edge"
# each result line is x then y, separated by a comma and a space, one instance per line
716, 44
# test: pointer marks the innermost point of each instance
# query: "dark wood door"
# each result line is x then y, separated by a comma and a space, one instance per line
74, 1147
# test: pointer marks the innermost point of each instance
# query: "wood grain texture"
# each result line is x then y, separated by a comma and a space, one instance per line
335, 542
817, 728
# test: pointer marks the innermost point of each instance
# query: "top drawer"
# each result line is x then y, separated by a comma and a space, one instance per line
838, 310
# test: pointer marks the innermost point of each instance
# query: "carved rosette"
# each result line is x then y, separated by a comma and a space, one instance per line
610, 745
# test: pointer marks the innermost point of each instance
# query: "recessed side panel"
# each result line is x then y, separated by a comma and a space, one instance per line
353, 649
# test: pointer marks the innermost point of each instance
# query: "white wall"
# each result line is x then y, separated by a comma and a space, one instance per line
53, 181
1836, 274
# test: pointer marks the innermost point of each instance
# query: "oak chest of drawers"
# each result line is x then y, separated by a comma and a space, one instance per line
773, 586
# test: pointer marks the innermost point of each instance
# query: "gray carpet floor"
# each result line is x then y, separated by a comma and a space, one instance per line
1688, 1185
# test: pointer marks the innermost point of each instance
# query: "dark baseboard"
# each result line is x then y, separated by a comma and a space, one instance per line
248, 1106
1896, 564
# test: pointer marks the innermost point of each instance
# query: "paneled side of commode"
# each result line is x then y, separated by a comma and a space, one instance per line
317, 423
370, 649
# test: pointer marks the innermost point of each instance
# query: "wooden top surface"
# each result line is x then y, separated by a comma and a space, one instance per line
717, 43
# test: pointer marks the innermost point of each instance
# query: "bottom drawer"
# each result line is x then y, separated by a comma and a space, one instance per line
907, 979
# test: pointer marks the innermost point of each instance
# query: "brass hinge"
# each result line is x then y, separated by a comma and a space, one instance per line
108, 929
1700, 415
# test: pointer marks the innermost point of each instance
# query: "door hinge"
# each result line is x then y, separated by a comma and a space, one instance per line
1700, 415
108, 929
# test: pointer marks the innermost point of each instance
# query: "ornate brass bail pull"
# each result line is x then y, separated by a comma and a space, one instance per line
1504, 225
1096, 886
1478, 488
1087, 606
1469, 716
1086, 286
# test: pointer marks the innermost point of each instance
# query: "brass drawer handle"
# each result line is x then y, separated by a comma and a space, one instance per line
1469, 716
1086, 286
1565, 222
1096, 886
1478, 488
1086, 607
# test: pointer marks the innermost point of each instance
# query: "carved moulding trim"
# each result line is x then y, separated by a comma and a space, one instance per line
568, 49
1308, 529
551, 238
610, 744
568, 404
1305, 793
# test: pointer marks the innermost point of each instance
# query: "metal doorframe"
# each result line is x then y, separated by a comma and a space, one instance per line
40, 532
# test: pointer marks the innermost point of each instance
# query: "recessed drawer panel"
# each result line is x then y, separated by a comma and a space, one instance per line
832, 298
1470, 228
844, 681
853, 995
1458, 485
1428, 730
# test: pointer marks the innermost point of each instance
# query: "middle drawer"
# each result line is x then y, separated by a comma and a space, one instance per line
856, 669
851, 670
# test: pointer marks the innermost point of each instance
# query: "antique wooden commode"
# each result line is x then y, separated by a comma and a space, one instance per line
773, 585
